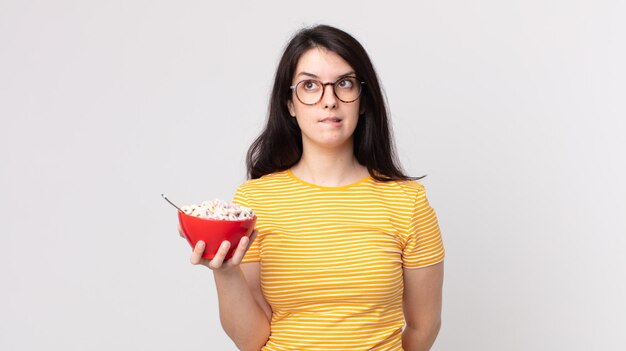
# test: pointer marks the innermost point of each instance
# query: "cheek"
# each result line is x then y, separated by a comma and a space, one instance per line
354, 114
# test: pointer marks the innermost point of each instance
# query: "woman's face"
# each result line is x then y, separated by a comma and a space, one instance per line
325, 66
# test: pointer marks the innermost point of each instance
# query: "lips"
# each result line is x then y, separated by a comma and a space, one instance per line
331, 119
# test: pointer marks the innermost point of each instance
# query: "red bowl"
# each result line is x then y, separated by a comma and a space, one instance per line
213, 232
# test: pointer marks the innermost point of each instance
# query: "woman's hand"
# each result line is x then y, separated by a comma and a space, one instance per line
218, 263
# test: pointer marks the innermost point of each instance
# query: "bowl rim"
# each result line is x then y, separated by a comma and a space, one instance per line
217, 220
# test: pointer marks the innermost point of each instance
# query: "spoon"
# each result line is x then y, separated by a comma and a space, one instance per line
171, 203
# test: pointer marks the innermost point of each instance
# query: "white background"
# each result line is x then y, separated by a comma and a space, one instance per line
514, 109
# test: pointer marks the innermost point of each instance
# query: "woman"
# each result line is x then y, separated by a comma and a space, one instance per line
347, 253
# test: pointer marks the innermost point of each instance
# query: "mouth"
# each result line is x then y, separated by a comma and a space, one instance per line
331, 120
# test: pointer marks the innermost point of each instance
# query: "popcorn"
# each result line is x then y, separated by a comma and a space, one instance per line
218, 209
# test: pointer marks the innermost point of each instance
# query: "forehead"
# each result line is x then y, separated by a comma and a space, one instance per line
322, 63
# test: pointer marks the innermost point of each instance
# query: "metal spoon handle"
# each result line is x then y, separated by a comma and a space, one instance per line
171, 203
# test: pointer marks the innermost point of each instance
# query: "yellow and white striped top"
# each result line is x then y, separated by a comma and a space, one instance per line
332, 258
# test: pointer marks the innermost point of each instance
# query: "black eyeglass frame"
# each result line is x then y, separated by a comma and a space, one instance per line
293, 88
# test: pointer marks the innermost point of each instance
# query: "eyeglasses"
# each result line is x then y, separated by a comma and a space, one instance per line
311, 91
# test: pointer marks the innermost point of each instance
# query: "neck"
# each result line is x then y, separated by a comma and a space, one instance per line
329, 167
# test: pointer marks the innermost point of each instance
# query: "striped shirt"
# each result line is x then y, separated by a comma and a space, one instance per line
332, 258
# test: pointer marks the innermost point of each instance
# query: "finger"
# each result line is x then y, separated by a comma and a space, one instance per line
241, 250
180, 231
218, 259
198, 250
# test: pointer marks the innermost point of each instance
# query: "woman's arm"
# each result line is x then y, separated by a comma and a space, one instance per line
422, 306
244, 319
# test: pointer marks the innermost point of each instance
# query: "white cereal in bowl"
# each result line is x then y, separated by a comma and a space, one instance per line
220, 210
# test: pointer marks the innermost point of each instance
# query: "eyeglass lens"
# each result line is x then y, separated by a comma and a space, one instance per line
310, 91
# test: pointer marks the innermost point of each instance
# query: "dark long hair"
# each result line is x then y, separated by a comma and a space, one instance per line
279, 146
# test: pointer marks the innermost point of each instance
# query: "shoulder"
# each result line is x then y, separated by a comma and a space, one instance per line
412, 187
409, 189
264, 182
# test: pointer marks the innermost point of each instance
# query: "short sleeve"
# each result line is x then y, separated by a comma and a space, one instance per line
424, 246
241, 198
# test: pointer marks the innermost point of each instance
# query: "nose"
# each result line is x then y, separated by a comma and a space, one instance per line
329, 100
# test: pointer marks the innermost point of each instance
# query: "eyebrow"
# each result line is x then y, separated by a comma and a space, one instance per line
351, 73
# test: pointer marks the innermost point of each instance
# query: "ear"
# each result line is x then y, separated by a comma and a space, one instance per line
292, 110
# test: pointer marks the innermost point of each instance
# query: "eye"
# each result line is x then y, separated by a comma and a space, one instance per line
346, 83
310, 85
